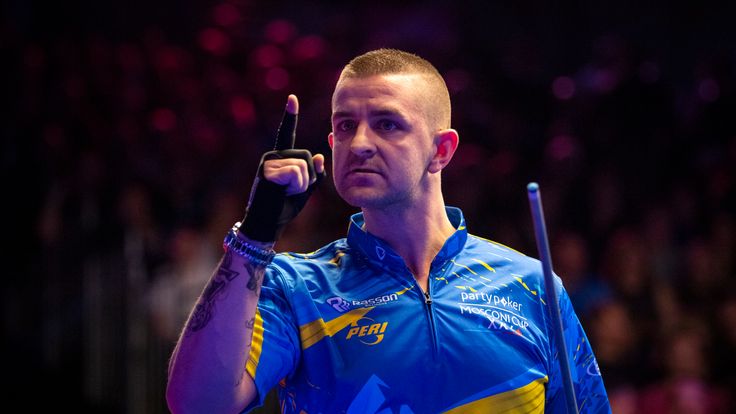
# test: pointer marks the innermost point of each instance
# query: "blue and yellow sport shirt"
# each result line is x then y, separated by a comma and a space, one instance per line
346, 329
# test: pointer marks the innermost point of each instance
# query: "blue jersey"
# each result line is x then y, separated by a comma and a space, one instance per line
347, 329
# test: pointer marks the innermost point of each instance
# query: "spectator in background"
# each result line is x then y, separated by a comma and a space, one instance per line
180, 282
686, 387
724, 357
572, 263
620, 352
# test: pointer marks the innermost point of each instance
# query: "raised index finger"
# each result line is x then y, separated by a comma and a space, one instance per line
286, 134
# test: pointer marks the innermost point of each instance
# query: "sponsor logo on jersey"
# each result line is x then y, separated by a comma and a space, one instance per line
490, 299
378, 300
497, 318
502, 312
343, 305
367, 330
339, 304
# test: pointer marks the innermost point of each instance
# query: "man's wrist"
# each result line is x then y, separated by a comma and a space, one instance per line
257, 252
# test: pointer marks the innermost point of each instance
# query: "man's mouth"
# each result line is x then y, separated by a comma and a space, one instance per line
364, 171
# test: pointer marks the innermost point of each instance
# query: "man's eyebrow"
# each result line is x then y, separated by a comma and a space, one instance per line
373, 113
341, 114
389, 112
386, 112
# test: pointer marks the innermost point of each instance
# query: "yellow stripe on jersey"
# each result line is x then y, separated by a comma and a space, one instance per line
462, 265
256, 345
313, 332
518, 279
524, 400
499, 244
485, 265
402, 291
335, 261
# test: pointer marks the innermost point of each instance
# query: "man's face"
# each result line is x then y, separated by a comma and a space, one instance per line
381, 140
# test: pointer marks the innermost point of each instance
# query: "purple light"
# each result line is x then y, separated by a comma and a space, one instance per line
169, 59
268, 56
277, 78
242, 110
561, 147
563, 88
309, 47
214, 41
163, 119
280, 31
225, 14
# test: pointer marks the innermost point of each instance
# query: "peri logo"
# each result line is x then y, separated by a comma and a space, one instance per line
381, 252
340, 304
367, 331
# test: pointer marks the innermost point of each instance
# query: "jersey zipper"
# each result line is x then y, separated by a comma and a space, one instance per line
430, 318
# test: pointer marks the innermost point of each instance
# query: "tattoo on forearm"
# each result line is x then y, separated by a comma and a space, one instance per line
254, 282
203, 311
248, 325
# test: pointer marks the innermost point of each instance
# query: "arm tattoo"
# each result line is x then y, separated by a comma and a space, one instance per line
248, 325
255, 277
203, 311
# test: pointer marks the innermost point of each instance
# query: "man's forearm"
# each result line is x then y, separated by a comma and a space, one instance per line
207, 372
207, 369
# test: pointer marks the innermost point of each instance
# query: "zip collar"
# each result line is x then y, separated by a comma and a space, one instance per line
378, 251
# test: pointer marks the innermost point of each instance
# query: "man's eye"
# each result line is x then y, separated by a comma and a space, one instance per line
346, 125
387, 125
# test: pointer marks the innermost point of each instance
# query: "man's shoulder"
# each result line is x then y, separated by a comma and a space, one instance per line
326, 257
318, 254
513, 262
481, 245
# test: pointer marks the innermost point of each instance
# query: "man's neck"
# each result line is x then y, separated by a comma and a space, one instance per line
417, 234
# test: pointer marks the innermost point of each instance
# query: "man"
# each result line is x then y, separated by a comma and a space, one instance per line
409, 313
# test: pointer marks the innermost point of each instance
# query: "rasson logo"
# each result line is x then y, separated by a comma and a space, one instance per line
343, 305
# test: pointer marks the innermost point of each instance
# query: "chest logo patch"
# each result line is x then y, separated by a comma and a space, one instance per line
339, 304
367, 330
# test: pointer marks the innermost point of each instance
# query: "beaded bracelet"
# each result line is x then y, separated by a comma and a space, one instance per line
256, 255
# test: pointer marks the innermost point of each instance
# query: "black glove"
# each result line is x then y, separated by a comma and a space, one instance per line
269, 208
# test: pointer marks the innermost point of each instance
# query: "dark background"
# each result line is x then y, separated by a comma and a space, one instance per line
131, 132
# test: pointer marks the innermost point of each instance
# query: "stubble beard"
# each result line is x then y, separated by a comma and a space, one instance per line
376, 199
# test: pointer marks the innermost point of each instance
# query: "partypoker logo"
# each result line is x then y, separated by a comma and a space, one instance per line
367, 330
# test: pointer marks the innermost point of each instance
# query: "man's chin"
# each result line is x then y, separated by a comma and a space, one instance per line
362, 198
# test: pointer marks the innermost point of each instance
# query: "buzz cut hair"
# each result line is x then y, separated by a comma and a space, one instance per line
394, 61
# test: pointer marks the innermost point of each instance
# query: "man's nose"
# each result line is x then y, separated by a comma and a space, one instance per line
363, 144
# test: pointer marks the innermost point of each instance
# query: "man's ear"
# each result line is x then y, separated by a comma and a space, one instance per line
330, 139
446, 142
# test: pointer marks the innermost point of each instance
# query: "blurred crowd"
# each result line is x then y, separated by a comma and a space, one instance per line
128, 155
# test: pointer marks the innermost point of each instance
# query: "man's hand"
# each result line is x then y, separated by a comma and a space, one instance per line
293, 173
286, 178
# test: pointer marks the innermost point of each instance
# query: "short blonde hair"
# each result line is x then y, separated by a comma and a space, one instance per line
394, 61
